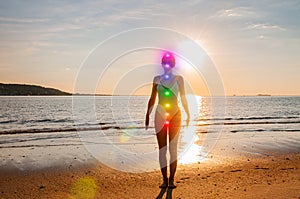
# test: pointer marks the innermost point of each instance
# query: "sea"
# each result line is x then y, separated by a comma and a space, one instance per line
38, 114
41, 121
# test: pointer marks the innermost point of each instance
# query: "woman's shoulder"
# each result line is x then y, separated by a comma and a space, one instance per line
156, 79
179, 78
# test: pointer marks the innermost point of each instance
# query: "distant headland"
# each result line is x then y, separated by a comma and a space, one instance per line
27, 90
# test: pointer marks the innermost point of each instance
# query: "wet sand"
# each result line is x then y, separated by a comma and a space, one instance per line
274, 176
240, 166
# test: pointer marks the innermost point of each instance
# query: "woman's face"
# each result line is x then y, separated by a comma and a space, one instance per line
167, 66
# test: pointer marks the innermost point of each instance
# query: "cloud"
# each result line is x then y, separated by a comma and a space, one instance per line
23, 20
264, 26
236, 12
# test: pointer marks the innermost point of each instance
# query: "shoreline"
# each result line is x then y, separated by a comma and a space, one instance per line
240, 165
236, 177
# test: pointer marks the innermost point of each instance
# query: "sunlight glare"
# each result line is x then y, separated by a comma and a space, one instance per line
194, 153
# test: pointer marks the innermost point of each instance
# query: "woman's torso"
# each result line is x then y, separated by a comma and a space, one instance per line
168, 91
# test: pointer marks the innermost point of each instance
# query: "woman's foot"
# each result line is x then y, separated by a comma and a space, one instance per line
171, 184
164, 184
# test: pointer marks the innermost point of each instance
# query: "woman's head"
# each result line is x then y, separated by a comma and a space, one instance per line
168, 60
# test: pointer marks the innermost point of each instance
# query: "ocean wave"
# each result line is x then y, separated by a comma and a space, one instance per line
46, 120
45, 137
263, 122
51, 130
265, 130
8, 121
249, 118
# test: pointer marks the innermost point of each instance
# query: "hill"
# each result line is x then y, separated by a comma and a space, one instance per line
24, 89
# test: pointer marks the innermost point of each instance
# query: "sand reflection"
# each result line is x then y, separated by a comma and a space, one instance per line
191, 141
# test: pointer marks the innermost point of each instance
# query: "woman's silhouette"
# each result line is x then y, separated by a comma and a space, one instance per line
167, 116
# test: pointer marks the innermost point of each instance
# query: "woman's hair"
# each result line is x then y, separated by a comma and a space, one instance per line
169, 59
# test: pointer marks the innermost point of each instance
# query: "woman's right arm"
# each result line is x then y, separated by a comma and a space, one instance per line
151, 102
183, 100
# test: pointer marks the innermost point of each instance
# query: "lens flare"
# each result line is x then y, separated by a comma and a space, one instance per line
124, 137
84, 188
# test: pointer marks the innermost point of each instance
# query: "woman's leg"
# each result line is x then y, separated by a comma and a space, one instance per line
174, 130
161, 135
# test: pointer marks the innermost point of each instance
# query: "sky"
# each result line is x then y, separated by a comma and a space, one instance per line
254, 45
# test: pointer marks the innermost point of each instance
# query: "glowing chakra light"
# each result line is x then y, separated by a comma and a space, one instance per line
167, 55
167, 76
167, 105
167, 65
167, 93
167, 114
167, 122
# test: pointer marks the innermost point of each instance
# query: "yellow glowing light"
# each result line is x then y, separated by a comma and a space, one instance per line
167, 105
84, 188
124, 137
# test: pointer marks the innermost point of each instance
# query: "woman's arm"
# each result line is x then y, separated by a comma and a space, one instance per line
183, 99
151, 102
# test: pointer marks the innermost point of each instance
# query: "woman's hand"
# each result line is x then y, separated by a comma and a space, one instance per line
147, 121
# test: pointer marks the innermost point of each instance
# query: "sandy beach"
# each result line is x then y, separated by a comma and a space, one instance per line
269, 177
242, 176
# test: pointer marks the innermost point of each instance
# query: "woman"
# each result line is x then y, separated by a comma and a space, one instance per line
167, 116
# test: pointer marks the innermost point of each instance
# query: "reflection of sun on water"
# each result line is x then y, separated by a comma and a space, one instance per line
190, 152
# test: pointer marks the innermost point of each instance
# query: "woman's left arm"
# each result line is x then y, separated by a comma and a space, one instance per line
151, 102
183, 99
